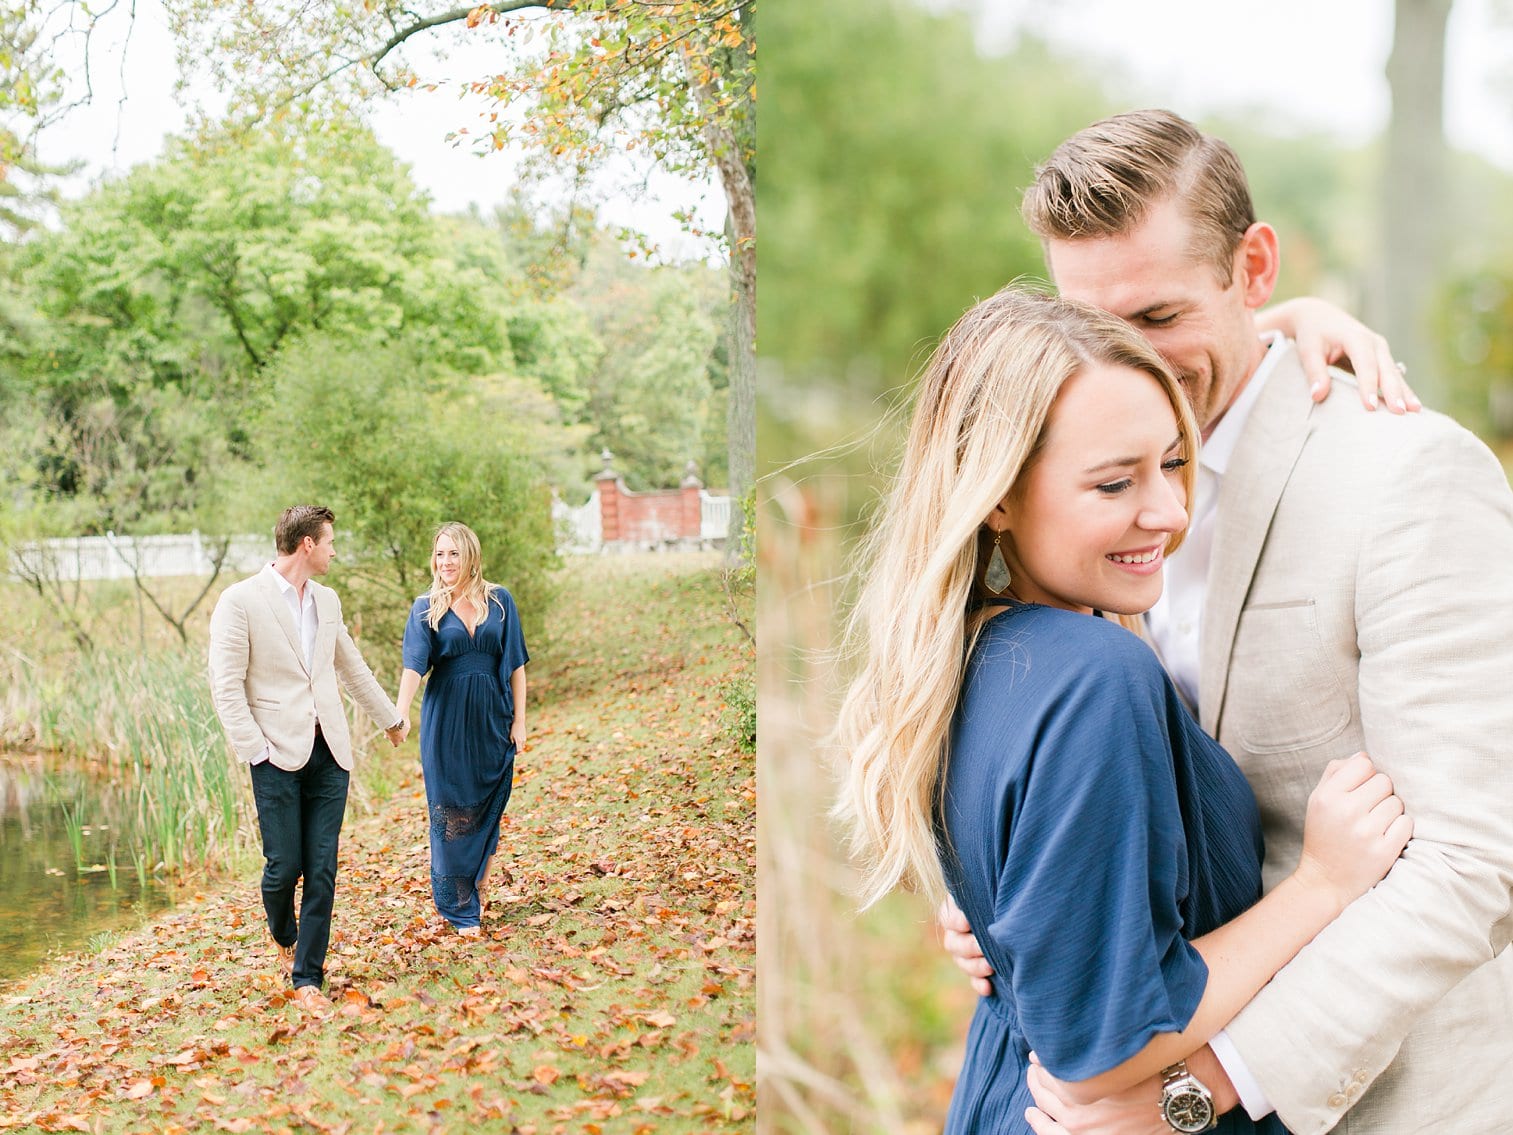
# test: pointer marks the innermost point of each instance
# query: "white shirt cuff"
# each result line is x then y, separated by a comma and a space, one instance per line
1252, 1096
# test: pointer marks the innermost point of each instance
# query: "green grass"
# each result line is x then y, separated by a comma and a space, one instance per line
613, 990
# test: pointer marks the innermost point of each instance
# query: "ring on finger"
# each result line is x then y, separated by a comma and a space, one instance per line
1402, 368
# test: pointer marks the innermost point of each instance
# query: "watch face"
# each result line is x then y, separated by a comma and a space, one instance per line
1189, 1111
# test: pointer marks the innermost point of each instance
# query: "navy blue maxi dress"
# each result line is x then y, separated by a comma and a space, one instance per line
1091, 829
465, 749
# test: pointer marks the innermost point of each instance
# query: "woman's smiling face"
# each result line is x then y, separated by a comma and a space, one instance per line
1089, 519
446, 560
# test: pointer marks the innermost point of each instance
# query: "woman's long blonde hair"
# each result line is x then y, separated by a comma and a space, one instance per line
470, 582
979, 418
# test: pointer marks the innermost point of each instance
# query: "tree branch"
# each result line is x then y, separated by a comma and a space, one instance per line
378, 55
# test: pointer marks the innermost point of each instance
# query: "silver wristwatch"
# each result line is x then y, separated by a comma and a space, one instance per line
1186, 1105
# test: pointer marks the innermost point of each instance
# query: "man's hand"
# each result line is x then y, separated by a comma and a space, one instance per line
961, 944
398, 733
1136, 1111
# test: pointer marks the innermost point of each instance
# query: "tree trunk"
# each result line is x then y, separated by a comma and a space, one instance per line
740, 227
741, 418
1414, 189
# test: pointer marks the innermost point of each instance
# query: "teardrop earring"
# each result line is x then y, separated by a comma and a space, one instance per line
997, 578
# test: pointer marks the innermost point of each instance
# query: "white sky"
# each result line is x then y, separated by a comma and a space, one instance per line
1315, 65
111, 135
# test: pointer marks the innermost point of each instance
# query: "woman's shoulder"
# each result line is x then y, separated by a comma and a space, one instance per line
422, 604
1056, 631
1066, 650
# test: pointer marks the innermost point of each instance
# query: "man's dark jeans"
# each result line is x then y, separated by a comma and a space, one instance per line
300, 815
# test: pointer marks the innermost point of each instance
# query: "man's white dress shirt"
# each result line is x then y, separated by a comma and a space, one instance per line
305, 621
1176, 623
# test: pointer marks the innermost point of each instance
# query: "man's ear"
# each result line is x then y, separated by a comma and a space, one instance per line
1258, 259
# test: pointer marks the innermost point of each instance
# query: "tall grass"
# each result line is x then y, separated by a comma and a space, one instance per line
145, 720
861, 1016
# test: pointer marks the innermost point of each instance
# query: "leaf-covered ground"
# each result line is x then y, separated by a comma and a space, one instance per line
612, 991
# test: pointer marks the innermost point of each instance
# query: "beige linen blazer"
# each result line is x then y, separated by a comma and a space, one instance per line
262, 691
1360, 596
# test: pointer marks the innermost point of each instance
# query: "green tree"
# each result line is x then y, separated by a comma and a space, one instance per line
396, 447
652, 394
168, 292
30, 86
578, 79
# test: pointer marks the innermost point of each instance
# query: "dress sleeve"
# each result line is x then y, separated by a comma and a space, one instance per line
1087, 906
514, 655
417, 641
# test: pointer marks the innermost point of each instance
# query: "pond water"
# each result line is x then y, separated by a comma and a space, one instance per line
61, 830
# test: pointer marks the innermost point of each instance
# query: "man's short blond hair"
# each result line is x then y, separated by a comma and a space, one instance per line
1104, 180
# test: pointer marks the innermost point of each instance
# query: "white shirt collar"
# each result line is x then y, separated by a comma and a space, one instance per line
285, 586
1215, 453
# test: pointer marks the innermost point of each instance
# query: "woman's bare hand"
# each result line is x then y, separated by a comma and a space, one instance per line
1355, 829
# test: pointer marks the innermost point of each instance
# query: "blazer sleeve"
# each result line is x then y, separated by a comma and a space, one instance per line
1434, 624
230, 653
357, 679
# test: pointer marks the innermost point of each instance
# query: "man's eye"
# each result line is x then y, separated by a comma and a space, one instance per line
1160, 320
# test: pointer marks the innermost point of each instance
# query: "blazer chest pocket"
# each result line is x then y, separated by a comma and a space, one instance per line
265, 703
1283, 691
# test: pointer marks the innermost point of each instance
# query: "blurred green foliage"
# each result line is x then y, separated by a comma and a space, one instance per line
894, 158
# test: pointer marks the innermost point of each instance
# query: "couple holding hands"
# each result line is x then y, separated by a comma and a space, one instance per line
1343, 588
279, 656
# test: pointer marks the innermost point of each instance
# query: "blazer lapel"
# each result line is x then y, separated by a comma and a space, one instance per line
278, 607
1258, 470
325, 619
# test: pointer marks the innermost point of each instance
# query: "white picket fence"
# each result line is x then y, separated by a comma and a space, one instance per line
714, 517
120, 557
579, 530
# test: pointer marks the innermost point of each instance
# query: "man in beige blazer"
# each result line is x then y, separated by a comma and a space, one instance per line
278, 649
1346, 583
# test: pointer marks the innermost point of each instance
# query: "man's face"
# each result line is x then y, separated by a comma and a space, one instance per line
1150, 278
323, 551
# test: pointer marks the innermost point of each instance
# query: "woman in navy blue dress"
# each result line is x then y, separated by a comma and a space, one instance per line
466, 634
1009, 745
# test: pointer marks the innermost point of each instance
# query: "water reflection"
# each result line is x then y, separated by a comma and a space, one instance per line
70, 864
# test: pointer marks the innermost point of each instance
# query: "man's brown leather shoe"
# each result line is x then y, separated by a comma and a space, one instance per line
312, 1000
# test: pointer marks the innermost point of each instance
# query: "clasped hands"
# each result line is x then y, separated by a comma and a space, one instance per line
398, 733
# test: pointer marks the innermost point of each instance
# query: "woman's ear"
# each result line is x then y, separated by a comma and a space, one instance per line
1002, 515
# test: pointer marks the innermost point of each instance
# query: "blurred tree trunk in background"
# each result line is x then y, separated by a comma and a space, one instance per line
1414, 189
